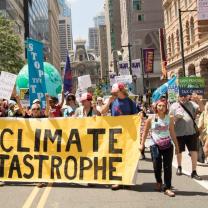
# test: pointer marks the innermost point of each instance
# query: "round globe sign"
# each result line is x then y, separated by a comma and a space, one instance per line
53, 79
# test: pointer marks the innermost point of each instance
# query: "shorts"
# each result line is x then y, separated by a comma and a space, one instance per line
190, 141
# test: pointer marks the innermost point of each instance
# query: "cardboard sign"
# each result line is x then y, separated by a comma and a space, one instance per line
126, 79
7, 82
188, 85
84, 82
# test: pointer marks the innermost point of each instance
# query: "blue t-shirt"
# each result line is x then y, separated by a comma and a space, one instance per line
123, 107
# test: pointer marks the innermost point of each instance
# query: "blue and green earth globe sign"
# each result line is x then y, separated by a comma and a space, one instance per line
53, 79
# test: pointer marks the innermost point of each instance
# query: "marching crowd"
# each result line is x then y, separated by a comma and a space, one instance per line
169, 126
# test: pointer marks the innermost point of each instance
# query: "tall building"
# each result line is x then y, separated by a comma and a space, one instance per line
195, 39
113, 28
84, 63
140, 23
99, 19
103, 52
14, 10
53, 22
65, 36
65, 31
93, 37
41, 23
65, 8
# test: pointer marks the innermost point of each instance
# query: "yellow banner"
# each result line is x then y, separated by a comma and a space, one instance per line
100, 150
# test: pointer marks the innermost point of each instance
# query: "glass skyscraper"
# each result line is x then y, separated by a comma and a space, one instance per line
38, 20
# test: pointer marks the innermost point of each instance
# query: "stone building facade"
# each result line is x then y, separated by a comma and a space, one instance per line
195, 40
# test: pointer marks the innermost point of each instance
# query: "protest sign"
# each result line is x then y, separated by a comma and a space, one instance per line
126, 79
37, 88
188, 85
84, 82
7, 82
24, 97
173, 93
100, 150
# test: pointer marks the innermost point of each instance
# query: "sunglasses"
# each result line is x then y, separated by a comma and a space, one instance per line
35, 109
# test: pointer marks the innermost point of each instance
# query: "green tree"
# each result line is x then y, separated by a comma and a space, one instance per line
10, 47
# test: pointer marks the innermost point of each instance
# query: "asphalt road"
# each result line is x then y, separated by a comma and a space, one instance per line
189, 193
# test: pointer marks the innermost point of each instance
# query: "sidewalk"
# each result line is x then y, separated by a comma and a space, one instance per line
202, 169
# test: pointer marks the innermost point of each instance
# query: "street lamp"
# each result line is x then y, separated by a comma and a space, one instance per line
181, 37
134, 77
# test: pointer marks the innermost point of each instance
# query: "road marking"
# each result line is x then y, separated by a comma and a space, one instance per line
31, 197
45, 195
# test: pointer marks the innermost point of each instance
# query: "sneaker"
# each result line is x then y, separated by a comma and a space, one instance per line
179, 171
195, 176
41, 185
143, 157
115, 187
169, 193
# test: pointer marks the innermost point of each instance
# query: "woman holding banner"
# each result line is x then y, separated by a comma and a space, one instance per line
161, 147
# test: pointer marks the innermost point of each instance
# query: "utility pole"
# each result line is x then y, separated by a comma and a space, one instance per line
129, 52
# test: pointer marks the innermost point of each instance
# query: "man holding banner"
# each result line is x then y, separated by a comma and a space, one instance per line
119, 104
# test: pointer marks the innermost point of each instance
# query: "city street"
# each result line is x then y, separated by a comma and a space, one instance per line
189, 193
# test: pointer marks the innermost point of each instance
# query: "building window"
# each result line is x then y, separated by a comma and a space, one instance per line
187, 34
192, 31
177, 41
141, 17
169, 46
137, 5
172, 44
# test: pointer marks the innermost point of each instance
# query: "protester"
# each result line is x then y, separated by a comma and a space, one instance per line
161, 147
203, 126
119, 104
184, 112
99, 104
70, 106
88, 108
55, 106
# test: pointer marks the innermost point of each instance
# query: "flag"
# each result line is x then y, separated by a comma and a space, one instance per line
67, 76
159, 92
148, 54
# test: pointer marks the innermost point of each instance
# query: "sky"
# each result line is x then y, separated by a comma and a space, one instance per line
83, 12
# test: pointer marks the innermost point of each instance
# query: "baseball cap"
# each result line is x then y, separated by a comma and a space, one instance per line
36, 101
86, 96
117, 87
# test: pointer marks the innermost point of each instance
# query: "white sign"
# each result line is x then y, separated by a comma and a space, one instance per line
202, 9
7, 82
112, 79
79, 93
123, 67
136, 67
84, 82
126, 79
